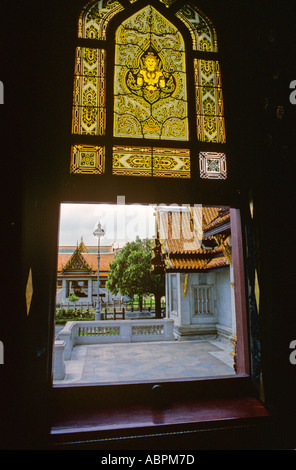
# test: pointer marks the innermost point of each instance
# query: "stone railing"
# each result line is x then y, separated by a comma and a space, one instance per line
104, 332
59, 368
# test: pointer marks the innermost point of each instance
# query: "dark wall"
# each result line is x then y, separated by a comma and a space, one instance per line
257, 40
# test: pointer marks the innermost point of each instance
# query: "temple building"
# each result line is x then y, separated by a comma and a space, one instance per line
77, 273
193, 249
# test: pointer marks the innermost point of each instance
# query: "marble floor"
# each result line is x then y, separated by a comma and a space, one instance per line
113, 363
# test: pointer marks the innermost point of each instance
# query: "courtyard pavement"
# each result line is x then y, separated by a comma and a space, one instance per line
113, 363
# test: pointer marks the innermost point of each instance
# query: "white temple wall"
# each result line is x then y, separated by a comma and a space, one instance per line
202, 308
90, 290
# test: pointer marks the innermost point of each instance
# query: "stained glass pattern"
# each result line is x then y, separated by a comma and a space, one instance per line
150, 93
95, 18
212, 165
89, 111
148, 161
202, 33
132, 161
209, 101
150, 99
87, 159
171, 163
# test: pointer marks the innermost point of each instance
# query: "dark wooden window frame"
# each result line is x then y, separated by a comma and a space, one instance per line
82, 416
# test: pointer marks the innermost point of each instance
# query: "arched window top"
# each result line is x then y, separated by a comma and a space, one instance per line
203, 34
148, 21
94, 18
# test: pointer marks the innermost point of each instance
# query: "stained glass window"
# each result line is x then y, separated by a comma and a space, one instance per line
171, 163
87, 159
209, 101
94, 19
132, 161
212, 165
202, 33
151, 161
89, 107
150, 97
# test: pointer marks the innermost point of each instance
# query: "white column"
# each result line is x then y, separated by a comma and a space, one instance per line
59, 368
167, 295
179, 298
64, 290
89, 290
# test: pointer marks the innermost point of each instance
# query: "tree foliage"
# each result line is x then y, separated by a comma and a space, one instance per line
73, 298
130, 272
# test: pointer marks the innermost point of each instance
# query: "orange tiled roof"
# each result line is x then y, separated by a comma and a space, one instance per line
189, 263
105, 260
181, 230
181, 234
91, 260
218, 262
222, 216
196, 264
178, 233
209, 214
63, 259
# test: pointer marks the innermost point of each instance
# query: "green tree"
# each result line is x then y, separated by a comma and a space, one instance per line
130, 273
73, 298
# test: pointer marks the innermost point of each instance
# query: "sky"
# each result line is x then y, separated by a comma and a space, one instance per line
122, 223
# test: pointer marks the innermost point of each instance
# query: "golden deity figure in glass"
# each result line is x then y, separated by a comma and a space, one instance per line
150, 76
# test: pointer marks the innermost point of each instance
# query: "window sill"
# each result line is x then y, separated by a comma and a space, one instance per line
126, 421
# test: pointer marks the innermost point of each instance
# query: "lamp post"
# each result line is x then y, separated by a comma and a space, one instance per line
98, 232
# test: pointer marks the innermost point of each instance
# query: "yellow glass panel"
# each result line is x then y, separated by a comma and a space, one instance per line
132, 161
151, 161
87, 159
150, 97
89, 108
171, 163
209, 101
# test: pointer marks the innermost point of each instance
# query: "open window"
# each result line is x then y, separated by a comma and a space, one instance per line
165, 300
